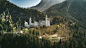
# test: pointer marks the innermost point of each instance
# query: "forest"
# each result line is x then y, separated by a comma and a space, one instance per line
31, 41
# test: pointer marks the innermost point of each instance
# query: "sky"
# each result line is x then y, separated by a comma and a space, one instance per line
25, 3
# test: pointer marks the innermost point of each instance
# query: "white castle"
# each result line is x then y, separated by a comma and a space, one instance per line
41, 23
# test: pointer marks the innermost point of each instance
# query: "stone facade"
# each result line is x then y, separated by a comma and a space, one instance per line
41, 23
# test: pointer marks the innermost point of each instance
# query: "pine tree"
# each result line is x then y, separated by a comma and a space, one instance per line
85, 43
38, 32
42, 39
30, 31
33, 32
84, 34
60, 41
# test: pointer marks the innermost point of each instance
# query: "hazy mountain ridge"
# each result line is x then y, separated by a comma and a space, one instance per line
45, 4
70, 8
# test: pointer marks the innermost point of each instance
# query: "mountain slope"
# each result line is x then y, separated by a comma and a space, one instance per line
17, 12
18, 15
75, 10
45, 4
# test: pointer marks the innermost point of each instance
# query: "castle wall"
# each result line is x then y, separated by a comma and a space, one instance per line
41, 23
36, 24
48, 23
26, 24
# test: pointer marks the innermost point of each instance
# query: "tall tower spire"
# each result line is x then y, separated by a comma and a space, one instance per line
30, 21
46, 20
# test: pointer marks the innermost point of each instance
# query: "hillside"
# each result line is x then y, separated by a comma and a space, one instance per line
45, 4
16, 12
18, 15
71, 9
74, 33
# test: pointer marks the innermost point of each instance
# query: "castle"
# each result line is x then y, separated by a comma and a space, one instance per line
41, 23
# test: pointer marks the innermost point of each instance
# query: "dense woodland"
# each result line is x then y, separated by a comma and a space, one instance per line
5, 26
18, 15
31, 40
21, 13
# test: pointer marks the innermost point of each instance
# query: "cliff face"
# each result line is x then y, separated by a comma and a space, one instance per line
45, 4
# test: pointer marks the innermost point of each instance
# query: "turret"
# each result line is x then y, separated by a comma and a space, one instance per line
46, 20
30, 21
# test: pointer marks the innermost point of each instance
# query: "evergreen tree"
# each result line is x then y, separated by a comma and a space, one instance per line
33, 32
60, 41
0, 21
30, 32
85, 43
84, 34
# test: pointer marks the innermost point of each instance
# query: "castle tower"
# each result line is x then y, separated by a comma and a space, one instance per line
46, 20
30, 21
